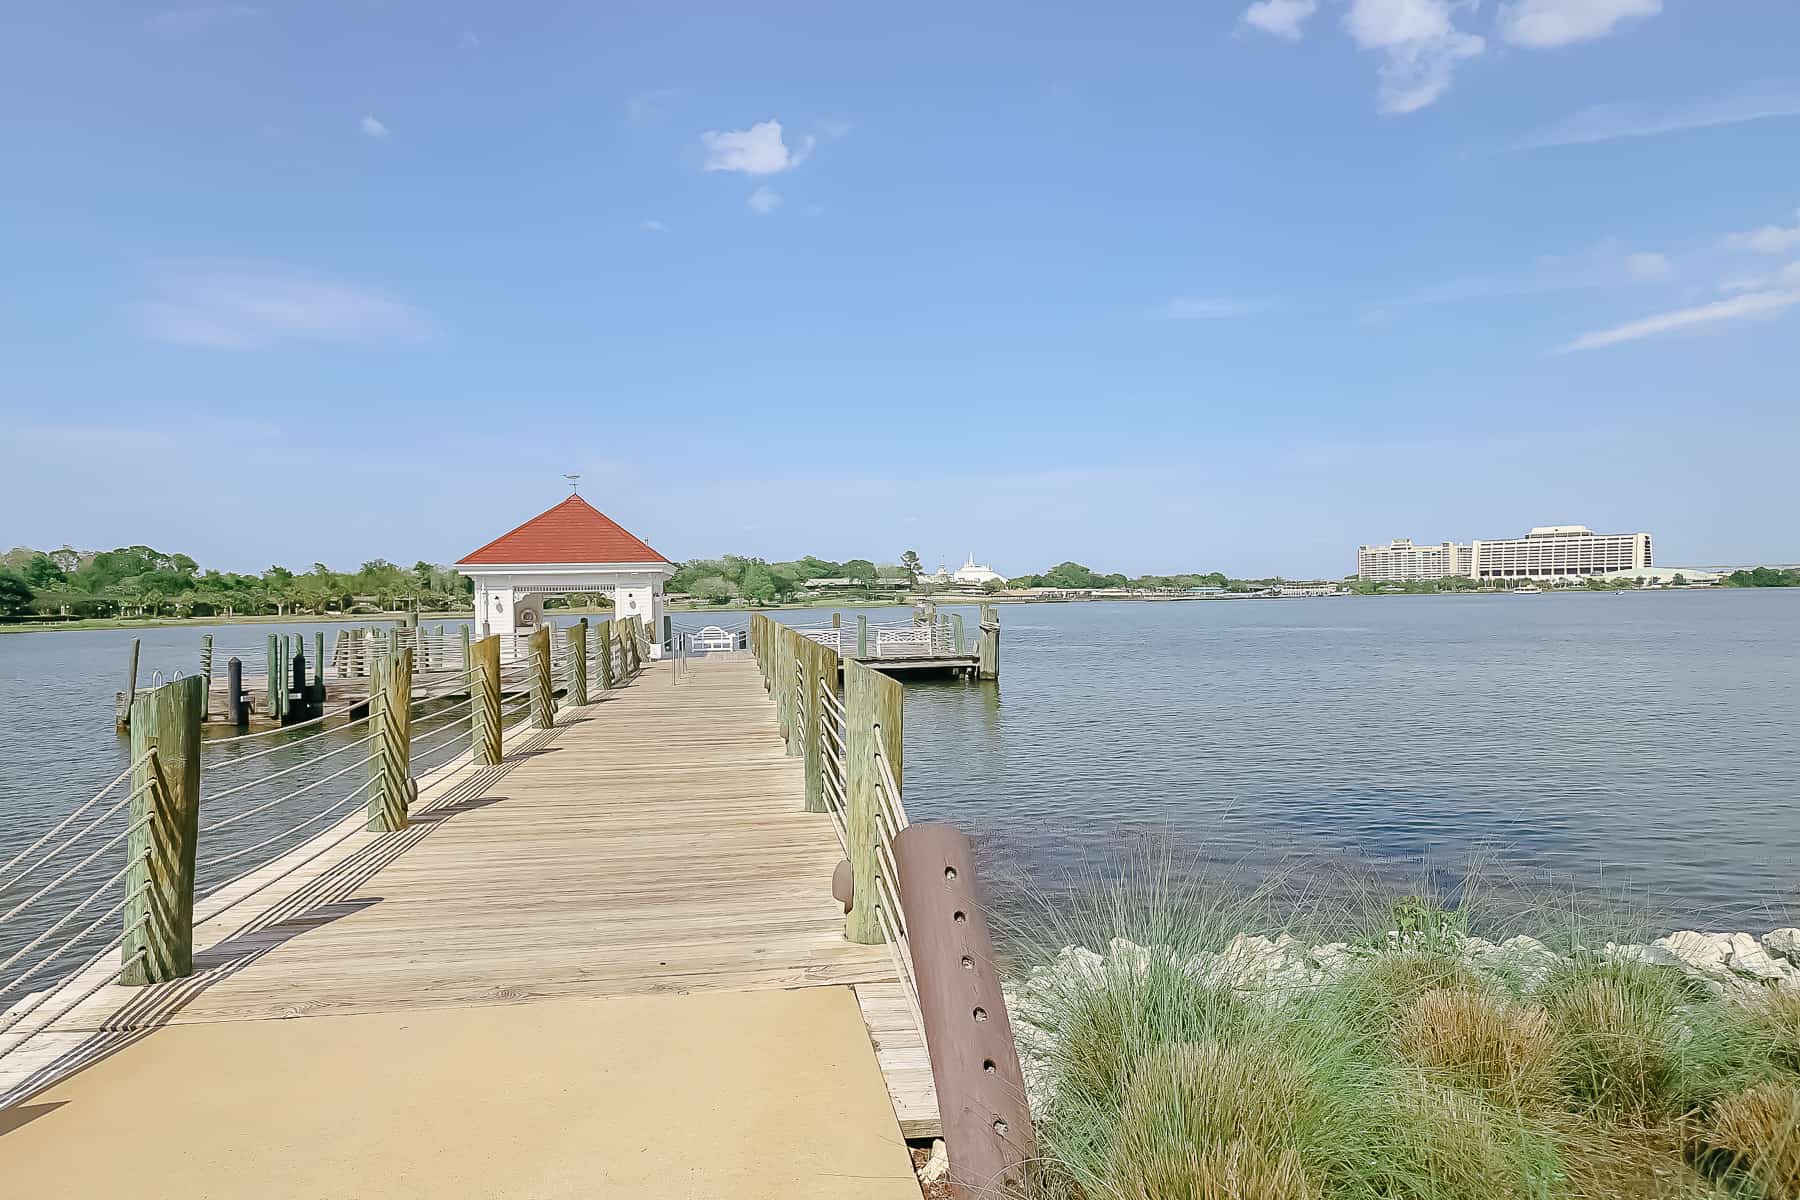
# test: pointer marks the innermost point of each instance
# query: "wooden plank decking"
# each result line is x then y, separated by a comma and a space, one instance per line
653, 843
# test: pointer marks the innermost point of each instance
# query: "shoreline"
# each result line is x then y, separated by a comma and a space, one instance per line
93, 623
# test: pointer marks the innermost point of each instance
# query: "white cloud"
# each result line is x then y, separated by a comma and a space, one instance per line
764, 200
252, 307
758, 150
1648, 265
1606, 122
1545, 24
1420, 42
1282, 18
371, 127
1207, 308
652, 225
835, 127
1770, 239
1750, 304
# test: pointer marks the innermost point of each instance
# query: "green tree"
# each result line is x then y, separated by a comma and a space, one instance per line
994, 585
910, 561
42, 571
15, 593
861, 569
756, 584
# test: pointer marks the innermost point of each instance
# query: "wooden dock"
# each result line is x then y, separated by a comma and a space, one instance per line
649, 855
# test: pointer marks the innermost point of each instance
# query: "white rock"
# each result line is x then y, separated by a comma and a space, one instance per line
1650, 956
1784, 942
938, 1165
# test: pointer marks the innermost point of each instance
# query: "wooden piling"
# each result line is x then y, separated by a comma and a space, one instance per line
605, 656
873, 708
543, 700
340, 653
390, 719
272, 677
578, 667
165, 819
989, 665
484, 699
956, 632
862, 635
206, 673
812, 716
468, 663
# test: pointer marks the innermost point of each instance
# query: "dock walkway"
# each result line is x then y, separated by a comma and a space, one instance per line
609, 966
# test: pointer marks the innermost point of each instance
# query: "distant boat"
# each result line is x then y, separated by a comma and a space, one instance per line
1528, 590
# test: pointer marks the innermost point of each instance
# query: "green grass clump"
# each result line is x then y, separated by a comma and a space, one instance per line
1410, 1075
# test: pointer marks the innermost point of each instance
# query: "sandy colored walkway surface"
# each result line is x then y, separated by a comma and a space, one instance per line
719, 1094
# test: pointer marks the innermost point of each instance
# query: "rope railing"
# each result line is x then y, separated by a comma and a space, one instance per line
172, 778
68, 820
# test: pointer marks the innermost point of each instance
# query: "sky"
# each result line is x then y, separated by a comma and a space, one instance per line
1154, 287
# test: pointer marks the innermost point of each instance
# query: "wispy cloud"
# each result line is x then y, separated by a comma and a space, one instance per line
1737, 308
372, 127
1609, 122
257, 307
1649, 265
1282, 18
835, 127
1770, 239
1547, 24
758, 150
469, 40
1607, 264
764, 200
1208, 308
1419, 43
197, 20
652, 225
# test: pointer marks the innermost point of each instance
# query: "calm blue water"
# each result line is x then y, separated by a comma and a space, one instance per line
1646, 746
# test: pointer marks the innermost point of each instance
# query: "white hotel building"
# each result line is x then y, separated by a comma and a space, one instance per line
1547, 552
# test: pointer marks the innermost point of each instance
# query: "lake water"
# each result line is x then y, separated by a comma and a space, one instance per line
1644, 745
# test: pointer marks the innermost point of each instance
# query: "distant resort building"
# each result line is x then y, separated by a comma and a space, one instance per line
1546, 552
971, 576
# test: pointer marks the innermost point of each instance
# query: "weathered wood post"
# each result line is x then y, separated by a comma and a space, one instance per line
206, 673
484, 699
237, 705
468, 663
989, 665
159, 914
340, 653
873, 712
794, 729
956, 632
319, 668
578, 667
127, 698
272, 677
862, 635
543, 701
605, 656
812, 666
837, 632
390, 718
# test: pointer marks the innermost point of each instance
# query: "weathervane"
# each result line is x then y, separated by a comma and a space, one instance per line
574, 484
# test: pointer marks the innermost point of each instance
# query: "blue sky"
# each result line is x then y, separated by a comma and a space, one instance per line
1156, 287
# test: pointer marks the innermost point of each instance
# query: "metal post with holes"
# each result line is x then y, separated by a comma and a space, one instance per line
974, 1064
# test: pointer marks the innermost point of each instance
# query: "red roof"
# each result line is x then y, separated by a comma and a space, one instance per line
572, 532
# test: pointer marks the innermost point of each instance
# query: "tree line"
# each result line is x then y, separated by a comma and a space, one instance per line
140, 581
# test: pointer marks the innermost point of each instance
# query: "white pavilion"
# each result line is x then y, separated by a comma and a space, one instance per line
573, 548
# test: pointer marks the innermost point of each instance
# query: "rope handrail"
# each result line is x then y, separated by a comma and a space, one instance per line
98, 892
26, 903
91, 826
32, 1005
241, 787
355, 794
299, 791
